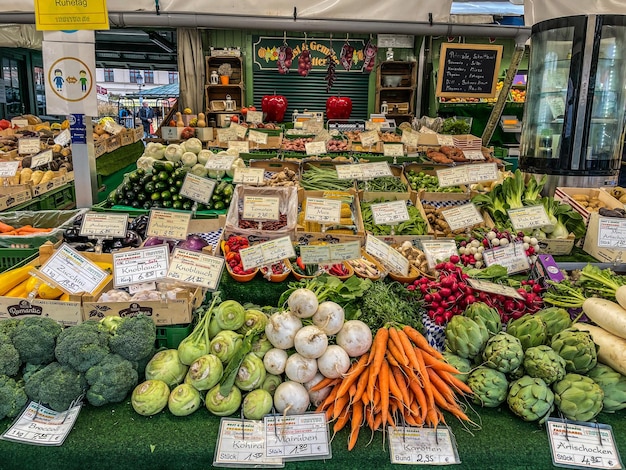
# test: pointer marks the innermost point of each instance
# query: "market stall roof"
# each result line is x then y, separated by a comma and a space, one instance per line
166, 91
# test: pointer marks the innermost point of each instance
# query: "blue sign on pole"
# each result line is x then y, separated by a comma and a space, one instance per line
78, 129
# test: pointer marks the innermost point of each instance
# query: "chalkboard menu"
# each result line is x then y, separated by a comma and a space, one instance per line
468, 70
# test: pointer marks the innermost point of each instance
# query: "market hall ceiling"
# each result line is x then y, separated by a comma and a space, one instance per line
134, 49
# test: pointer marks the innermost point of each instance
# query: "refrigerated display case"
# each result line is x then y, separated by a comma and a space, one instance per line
573, 125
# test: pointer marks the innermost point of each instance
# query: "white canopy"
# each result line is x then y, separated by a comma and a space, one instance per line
536, 11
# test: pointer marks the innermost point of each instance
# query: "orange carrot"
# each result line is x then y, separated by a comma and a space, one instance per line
356, 421
360, 386
404, 388
457, 384
341, 421
441, 387
425, 379
397, 352
394, 388
420, 341
380, 347
438, 364
353, 374
383, 382
6, 227
325, 382
339, 405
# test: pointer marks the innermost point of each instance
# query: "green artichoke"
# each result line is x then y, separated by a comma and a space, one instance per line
531, 399
529, 329
613, 384
543, 362
463, 365
503, 353
489, 386
465, 337
556, 319
481, 312
578, 397
577, 348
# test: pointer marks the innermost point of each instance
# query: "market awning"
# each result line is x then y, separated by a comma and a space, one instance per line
160, 92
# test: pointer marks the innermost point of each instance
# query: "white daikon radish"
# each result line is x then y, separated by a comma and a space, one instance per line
606, 314
612, 351
620, 295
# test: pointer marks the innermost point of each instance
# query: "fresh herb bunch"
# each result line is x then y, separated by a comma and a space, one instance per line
386, 302
453, 126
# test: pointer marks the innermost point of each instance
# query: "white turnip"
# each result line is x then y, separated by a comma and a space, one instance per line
334, 362
310, 342
275, 360
355, 337
281, 329
300, 369
329, 317
318, 396
303, 303
291, 398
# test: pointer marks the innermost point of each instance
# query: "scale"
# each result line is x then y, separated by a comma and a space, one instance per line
299, 119
344, 125
386, 125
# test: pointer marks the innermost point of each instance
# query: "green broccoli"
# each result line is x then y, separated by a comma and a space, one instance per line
10, 361
111, 322
134, 338
56, 386
8, 326
82, 346
35, 339
111, 380
29, 369
12, 397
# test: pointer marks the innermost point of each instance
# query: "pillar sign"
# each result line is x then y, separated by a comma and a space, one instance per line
64, 15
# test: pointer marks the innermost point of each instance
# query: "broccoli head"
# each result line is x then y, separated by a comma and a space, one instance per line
110, 380
35, 339
10, 361
8, 326
82, 346
12, 397
134, 338
56, 386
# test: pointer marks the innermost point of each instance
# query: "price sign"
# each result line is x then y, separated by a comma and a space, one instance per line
168, 224
315, 148
410, 138
241, 443
28, 145
255, 117
19, 122
195, 268
467, 174
512, 257
220, 162
393, 150
557, 106
197, 188
463, 216
493, 288
345, 251
389, 256
582, 445
529, 217
323, 211
333, 253
240, 131
473, 154
102, 224
261, 208
322, 136
373, 126
445, 140
267, 253
390, 213
227, 134
41, 159
140, 266
63, 138
369, 138
375, 170
241, 146
300, 437
8, 169
42, 426
422, 446
248, 175
72, 272
611, 233
313, 126
258, 137
438, 250
315, 254
349, 172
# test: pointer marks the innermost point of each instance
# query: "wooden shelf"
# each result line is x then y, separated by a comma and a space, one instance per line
406, 73
218, 92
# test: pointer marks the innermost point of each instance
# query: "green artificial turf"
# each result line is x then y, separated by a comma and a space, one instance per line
111, 162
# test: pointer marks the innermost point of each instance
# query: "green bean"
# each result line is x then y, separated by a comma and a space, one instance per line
391, 184
323, 179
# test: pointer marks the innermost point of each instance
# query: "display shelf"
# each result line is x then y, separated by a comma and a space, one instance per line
216, 94
402, 74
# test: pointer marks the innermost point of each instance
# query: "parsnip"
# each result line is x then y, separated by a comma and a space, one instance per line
606, 314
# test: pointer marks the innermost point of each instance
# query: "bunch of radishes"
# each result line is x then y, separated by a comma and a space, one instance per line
471, 250
450, 294
314, 358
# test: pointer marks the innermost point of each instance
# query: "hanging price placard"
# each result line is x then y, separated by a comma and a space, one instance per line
393, 150
389, 256
369, 138
255, 117
248, 175
241, 146
168, 224
390, 213
467, 174
140, 265
257, 137
323, 211
8, 169
267, 253
102, 224
261, 208
529, 217
28, 145
315, 148
220, 162
41, 159
197, 188
463, 216
512, 257
196, 268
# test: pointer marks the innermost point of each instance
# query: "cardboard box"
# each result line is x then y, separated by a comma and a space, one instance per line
59, 179
388, 196
428, 169
11, 196
604, 255
66, 313
565, 194
113, 143
205, 134
100, 147
127, 137
137, 134
171, 133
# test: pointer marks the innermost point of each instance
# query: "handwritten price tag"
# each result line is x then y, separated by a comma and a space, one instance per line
393, 150
8, 169
168, 224
369, 138
241, 443
28, 145
99, 224
255, 117
445, 140
315, 148
41, 159
241, 146
324, 211
390, 213
300, 437
42, 426
345, 251
313, 126
389, 256
467, 174
258, 137
512, 257
267, 253
72, 272
315, 254
252, 257
529, 217
63, 138
376, 170
410, 138
220, 162
349, 172
227, 134
195, 268
197, 188
438, 250
422, 446
248, 175
261, 208
19, 122
493, 288
612, 233
240, 131
322, 136
140, 266
473, 154
463, 216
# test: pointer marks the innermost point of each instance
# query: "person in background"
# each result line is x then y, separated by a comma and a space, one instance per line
146, 114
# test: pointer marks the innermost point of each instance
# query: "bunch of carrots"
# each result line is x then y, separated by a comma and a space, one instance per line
403, 380
9, 230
